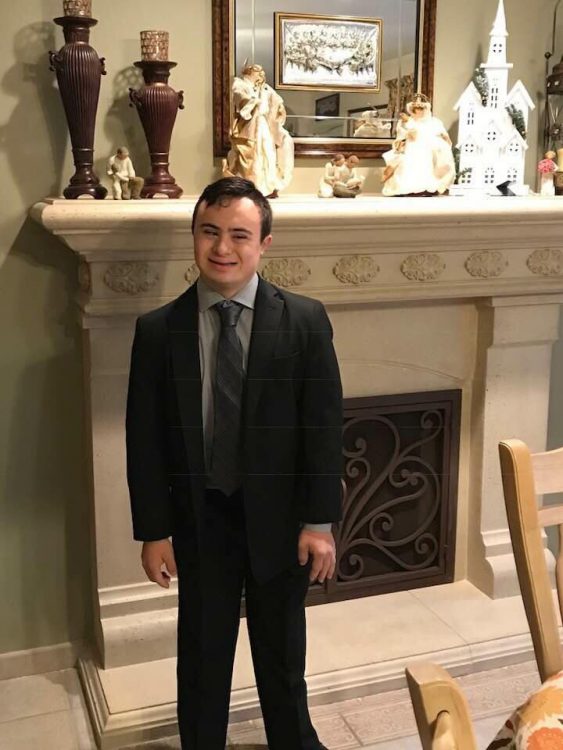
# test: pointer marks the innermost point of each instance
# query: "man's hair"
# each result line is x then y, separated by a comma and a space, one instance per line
228, 188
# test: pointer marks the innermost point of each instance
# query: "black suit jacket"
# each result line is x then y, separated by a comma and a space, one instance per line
292, 426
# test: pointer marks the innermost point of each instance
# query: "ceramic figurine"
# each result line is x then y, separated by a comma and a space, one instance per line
340, 178
546, 168
330, 175
421, 161
124, 182
261, 148
348, 182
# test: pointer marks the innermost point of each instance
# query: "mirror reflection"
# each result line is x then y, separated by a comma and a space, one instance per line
373, 51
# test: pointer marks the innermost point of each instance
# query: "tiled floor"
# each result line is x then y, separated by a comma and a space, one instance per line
47, 712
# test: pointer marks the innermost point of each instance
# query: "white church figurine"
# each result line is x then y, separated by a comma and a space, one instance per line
492, 151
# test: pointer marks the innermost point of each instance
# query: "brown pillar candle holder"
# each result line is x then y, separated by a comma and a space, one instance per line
79, 71
158, 104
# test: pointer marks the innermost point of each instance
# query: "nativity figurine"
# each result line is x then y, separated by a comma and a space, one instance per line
261, 148
421, 161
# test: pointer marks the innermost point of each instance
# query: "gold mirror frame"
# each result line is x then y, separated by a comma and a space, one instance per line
223, 72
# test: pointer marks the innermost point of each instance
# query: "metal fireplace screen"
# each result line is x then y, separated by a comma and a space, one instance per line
401, 458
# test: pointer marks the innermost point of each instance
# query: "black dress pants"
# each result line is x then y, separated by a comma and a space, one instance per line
211, 582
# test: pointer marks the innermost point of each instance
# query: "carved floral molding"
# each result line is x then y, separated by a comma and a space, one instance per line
286, 272
356, 269
486, 264
130, 277
423, 267
548, 262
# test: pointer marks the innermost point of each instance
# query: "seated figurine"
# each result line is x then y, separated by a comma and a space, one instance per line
331, 170
124, 182
340, 178
348, 183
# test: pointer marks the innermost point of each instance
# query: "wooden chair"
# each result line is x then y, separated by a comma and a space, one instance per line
526, 475
440, 708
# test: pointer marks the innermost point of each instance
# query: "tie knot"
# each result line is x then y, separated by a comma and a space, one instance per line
229, 312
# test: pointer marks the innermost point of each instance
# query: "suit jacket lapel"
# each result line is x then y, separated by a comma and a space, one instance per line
268, 311
184, 345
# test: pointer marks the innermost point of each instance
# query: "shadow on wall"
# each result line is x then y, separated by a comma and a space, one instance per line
47, 589
35, 135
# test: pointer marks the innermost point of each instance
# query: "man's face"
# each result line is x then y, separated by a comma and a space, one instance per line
227, 244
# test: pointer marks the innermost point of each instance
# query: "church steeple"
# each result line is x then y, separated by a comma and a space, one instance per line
496, 68
499, 26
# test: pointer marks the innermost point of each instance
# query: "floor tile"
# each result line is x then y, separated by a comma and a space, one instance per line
335, 733
31, 696
472, 614
247, 732
486, 729
357, 626
47, 732
382, 723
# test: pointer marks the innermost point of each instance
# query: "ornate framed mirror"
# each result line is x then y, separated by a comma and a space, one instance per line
325, 115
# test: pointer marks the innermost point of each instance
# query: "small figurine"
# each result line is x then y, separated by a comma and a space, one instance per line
348, 183
369, 125
261, 148
340, 178
331, 172
124, 182
421, 161
547, 167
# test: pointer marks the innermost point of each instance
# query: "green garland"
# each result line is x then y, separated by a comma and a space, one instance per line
517, 117
457, 158
482, 85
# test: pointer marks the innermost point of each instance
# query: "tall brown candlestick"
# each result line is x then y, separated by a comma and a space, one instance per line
157, 104
79, 71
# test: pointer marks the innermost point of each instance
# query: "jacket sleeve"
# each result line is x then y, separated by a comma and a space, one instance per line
321, 426
147, 474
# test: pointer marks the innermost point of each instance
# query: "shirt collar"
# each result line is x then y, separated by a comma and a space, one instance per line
208, 297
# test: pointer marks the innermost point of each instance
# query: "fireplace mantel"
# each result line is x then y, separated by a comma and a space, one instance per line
424, 294
341, 251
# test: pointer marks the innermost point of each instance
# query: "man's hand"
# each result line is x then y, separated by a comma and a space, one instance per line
158, 562
321, 546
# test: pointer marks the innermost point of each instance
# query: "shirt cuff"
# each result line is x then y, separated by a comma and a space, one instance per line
325, 528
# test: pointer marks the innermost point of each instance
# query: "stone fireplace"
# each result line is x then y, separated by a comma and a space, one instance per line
426, 296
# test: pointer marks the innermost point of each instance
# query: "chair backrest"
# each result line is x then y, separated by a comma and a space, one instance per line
440, 708
524, 477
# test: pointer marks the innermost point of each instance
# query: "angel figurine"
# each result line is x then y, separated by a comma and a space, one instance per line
421, 161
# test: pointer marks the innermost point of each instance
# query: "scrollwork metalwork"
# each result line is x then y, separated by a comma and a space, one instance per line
391, 512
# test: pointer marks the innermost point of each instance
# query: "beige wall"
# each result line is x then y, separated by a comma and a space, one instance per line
44, 576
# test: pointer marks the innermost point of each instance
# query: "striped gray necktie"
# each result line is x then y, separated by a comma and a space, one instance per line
229, 381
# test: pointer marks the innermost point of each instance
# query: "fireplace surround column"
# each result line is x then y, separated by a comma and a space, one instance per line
511, 399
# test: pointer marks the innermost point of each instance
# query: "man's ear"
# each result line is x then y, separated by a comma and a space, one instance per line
266, 242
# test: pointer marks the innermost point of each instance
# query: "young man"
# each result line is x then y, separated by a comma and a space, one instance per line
234, 421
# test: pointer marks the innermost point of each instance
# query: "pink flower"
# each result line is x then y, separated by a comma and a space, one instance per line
546, 166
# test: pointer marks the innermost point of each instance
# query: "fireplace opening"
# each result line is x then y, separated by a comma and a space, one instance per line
401, 457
